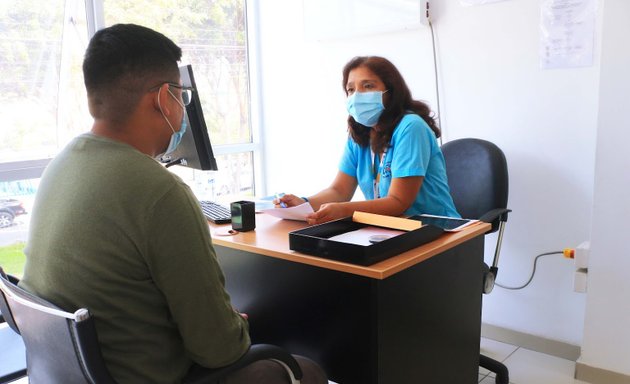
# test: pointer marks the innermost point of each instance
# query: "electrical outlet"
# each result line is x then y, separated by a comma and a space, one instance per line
425, 15
581, 267
581, 255
580, 280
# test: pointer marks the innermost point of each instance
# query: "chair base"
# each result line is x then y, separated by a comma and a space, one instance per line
503, 376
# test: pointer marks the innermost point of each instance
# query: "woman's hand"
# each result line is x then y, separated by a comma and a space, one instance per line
328, 212
288, 200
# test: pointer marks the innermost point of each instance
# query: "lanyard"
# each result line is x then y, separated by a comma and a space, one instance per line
376, 172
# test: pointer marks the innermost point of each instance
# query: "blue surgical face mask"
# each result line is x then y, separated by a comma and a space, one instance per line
366, 107
176, 137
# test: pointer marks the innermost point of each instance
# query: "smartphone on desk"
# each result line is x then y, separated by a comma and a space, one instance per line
449, 224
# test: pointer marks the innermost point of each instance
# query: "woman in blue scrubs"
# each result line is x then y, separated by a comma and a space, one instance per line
392, 152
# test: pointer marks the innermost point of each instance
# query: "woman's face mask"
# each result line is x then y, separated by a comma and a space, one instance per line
366, 107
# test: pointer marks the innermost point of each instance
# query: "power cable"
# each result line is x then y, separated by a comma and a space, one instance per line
533, 271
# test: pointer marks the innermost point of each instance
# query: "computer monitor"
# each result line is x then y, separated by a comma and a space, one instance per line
195, 150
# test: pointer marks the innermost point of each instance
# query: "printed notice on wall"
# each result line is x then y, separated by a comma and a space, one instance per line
567, 33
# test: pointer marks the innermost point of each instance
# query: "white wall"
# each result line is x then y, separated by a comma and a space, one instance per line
606, 336
545, 121
492, 87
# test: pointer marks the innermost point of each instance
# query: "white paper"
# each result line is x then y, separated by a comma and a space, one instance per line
362, 236
298, 212
567, 33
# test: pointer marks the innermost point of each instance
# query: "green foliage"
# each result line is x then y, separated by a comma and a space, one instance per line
212, 36
12, 258
42, 98
30, 32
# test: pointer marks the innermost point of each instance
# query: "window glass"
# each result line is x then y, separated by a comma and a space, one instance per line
235, 178
42, 102
44, 105
213, 38
16, 203
42, 98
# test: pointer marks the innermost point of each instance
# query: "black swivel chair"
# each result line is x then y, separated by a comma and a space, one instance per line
62, 347
478, 179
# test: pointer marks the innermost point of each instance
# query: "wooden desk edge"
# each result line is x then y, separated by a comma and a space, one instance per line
379, 270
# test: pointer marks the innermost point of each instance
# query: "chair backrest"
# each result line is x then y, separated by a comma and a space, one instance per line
477, 176
61, 347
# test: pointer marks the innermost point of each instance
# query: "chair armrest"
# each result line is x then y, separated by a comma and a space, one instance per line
494, 216
256, 352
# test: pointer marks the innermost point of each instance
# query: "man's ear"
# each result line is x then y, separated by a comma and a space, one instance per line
161, 100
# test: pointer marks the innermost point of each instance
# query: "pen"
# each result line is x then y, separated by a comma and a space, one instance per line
282, 204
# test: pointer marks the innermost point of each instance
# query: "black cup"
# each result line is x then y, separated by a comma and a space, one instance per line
243, 215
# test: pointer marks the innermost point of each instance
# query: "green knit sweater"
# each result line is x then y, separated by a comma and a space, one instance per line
115, 232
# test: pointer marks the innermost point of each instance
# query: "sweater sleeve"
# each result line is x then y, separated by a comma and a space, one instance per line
184, 266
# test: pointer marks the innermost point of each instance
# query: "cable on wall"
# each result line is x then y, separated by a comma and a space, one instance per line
531, 277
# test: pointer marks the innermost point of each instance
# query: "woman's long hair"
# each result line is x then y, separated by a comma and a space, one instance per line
397, 102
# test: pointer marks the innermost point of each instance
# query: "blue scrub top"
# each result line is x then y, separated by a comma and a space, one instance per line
413, 151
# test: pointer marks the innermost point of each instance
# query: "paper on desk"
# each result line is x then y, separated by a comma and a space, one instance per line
362, 236
298, 212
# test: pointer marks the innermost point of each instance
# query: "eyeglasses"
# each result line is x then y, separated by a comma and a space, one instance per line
186, 91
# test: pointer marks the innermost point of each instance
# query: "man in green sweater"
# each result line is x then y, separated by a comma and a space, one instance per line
114, 231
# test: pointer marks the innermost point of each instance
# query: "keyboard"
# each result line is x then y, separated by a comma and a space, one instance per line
216, 213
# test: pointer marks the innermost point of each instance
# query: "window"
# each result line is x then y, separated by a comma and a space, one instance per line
43, 101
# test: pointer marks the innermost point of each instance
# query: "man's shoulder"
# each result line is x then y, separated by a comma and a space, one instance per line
100, 164
90, 151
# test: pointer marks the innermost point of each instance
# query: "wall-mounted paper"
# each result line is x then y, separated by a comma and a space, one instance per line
567, 33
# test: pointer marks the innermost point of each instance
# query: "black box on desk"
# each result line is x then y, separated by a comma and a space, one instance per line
243, 215
316, 241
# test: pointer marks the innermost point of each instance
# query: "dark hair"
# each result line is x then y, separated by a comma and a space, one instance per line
397, 102
121, 63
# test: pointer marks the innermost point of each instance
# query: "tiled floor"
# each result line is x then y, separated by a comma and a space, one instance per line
526, 366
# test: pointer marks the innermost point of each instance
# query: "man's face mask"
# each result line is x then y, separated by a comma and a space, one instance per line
176, 137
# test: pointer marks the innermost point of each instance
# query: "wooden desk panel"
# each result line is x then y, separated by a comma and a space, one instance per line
271, 239
415, 317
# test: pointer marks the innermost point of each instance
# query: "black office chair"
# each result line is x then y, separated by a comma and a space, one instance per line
478, 179
12, 352
62, 347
